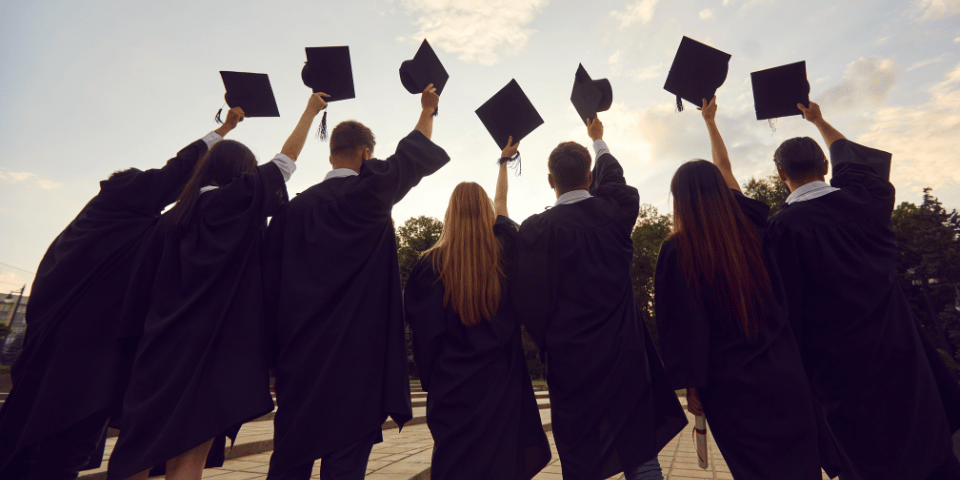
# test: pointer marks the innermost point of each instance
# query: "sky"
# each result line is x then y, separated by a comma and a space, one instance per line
87, 88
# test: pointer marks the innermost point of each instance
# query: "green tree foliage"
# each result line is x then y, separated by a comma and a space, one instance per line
928, 267
650, 231
414, 237
769, 190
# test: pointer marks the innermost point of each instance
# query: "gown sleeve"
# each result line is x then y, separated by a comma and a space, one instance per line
423, 307
755, 210
608, 181
857, 166
386, 182
682, 323
149, 192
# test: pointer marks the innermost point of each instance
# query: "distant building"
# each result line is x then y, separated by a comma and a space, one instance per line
13, 311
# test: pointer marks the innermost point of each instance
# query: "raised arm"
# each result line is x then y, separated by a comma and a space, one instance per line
720, 157
500, 197
814, 116
294, 144
429, 101
234, 116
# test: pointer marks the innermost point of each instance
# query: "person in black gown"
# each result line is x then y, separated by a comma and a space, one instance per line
196, 301
612, 408
481, 409
70, 377
723, 325
836, 249
336, 311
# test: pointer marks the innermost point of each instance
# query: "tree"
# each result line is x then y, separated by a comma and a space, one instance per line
414, 237
769, 190
650, 231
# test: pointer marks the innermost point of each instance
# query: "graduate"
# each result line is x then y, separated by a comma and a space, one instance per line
723, 325
201, 367
836, 249
611, 406
481, 409
69, 379
334, 283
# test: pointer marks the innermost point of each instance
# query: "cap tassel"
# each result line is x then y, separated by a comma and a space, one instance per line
217, 117
510, 162
322, 132
773, 126
436, 111
679, 104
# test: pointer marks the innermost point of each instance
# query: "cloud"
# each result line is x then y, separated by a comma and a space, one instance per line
641, 11
476, 30
934, 9
705, 14
867, 80
924, 63
17, 177
646, 73
922, 137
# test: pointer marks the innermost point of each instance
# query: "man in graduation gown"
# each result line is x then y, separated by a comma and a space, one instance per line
70, 378
611, 406
334, 281
861, 348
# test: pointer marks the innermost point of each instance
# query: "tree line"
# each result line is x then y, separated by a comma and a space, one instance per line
928, 264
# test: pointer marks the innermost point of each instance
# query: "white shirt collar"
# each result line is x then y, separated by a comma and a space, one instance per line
208, 188
809, 191
573, 196
340, 172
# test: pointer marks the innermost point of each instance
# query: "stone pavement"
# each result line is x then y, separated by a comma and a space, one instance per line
406, 455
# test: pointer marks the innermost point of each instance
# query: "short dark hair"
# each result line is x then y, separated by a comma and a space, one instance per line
123, 173
351, 135
569, 164
800, 158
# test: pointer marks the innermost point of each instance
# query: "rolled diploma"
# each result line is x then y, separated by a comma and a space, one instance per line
700, 437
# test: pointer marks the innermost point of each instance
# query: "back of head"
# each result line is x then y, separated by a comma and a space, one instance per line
569, 164
349, 137
801, 159
225, 160
715, 242
467, 256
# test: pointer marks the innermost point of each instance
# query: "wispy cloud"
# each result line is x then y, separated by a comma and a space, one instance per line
476, 30
706, 14
924, 63
17, 177
867, 80
646, 73
640, 11
934, 9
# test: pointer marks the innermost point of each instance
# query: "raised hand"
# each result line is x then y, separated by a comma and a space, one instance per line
316, 103
709, 109
812, 113
234, 116
595, 128
511, 149
429, 100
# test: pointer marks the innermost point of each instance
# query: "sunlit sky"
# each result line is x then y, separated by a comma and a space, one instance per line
87, 88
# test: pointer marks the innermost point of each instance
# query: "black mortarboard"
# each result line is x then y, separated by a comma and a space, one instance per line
778, 90
590, 96
509, 113
328, 70
424, 69
251, 92
697, 72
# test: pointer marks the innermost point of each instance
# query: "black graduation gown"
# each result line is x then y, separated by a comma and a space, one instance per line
481, 409
860, 347
201, 368
611, 405
71, 365
755, 393
337, 307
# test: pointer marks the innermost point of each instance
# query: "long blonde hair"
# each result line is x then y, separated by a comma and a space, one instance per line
467, 256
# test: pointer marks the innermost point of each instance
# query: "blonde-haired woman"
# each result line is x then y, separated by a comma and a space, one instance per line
480, 405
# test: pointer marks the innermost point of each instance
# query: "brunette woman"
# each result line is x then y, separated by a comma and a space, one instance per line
481, 408
723, 327
201, 369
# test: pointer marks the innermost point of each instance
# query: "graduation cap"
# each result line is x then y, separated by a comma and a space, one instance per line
251, 92
590, 96
509, 113
328, 70
778, 90
697, 72
424, 69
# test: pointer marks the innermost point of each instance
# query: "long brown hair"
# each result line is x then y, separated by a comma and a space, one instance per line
224, 161
716, 243
467, 256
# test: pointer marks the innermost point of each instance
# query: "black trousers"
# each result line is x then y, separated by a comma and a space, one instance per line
62, 455
347, 463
